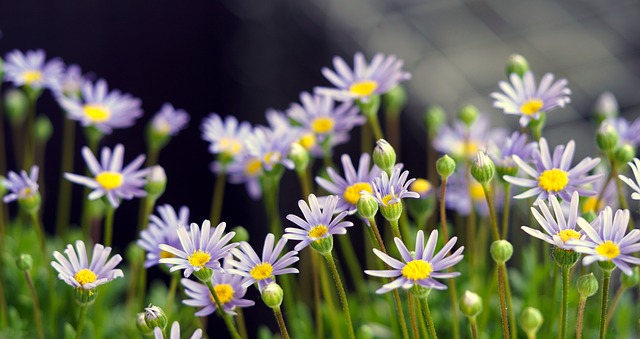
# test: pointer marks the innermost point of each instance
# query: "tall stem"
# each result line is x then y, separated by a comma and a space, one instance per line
503, 306
354, 266
614, 303
281, 324
452, 286
29, 135
305, 183
36, 305
505, 210
316, 295
341, 293
474, 327
218, 196
606, 276
39, 232
392, 126
427, 314
81, 317
512, 313
565, 301
108, 224
227, 319
492, 212
581, 305
412, 315
171, 297
242, 324
375, 126
64, 192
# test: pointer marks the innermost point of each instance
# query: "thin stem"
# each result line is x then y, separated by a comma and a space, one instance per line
108, 224
171, 297
227, 319
3, 302
392, 126
606, 276
412, 314
395, 228
64, 192
366, 144
505, 210
85, 218
581, 305
427, 315
452, 286
36, 305
503, 306
375, 126
565, 302
242, 325
305, 183
443, 213
316, 295
423, 322
218, 196
353, 264
614, 303
29, 135
341, 292
39, 232
81, 317
512, 313
474, 327
325, 285
492, 212
281, 324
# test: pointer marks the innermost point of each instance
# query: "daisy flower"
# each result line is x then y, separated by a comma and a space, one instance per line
318, 223
71, 82
350, 186
226, 136
109, 178
245, 169
635, 168
606, 240
262, 271
390, 191
79, 273
378, 77
21, 186
515, 144
271, 146
31, 69
422, 268
461, 141
629, 133
461, 196
175, 332
558, 229
162, 229
522, 97
169, 120
199, 248
553, 176
228, 287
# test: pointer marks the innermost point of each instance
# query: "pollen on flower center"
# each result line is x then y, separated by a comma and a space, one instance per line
553, 180
322, 125
386, 199
85, 276
318, 231
531, 106
417, 270
253, 167
165, 254
97, 113
608, 250
352, 193
224, 292
199, 258
363, 88
110, 180
230, 146
568, 234
30, 77
261, 271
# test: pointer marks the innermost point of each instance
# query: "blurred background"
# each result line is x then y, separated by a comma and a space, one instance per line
240, 57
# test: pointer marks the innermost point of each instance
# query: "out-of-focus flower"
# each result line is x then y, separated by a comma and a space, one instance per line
460, 141
516, 144
271, 147
175, 332
21, 186
635, 168
558, 229
629, 133
169, 120
71, 82
78, 272
31, 69
227, 137
461, 196
162, 229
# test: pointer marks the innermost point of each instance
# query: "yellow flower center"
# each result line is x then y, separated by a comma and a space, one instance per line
417, 270
363, 88
224, 292
531, 106
322, 125
97, 113
272, 157
553, 180
386, 199
568, 234
253, 167
25, 192
31, 77
592, 204
476, 191
421, 186
470, 148
261, 271
318, 231
85, 276
608, 250
110, 180
162, 127
165, 254
199, 258
352, 193
230, 146
308, 141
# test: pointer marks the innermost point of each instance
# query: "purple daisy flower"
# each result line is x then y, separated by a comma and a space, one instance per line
635, 168
422, 268
31, 69
246, 169
350, 186
522, 97
199, 248
101, 108
629, 133
79, 273
378, 77
558, 229
553, 175
71, 82
262, 271
110, 178
21, 186
162, 229
175, 332
461, 141
606, 240
390, 191
606, 195
516, 144
227, 137
169, 120
318, 223
461, 196
271, 146
228, 287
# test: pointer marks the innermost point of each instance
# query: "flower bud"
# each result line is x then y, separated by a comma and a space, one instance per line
501, 251
435, 117
470, 304
530, 321
323, 245
31, 203
468, 114
367, 206
384, 156
445, 166
395, 100
606, 137
587, 285
84, 297
565, 258
154, 317
391, 211
630, 280
483, 168
516, 64
156, 182
418, 291
158, 134
272, 295
607, 265
24, 262
141, 324
370, 107
204, 274
241, 234
366, 332
605, 107
623, 154
16, 104
300, 157
43, 129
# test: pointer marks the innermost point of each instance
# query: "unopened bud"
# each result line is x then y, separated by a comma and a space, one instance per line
435, 117
395, 100
530, 321
43, 129
24, 262
501, 251
272, 295
516, 64
16, 105
468, 114
623, 153
606, 137
300, 157
587, 285
606, 107
483, 169
384, 156
154, 317
630, 280
241, 234
141, 324
470, 304
367, 206
156, 181
445, 166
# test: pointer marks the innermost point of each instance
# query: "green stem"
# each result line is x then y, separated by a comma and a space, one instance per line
325, 285
242, 325
85, 218
3, 133
395, 228
281, 324
29, 135
152, 156
505, 210
108, 224
81, 317
503, 306
427, 315
412, 314
39, 232
474, 327
606, 276
36, 305
343, 295
581, 305
366, 143
492, 212
392, 126
218, 196
565, 301
375, 126
316, 295
171, 297
353, 264
3, 302
614, 303
64, 192
305, 183
452, 286
227, 319
512, 313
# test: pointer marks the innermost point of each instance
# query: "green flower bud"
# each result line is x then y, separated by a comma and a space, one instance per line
84, 297
391, 211
300, 157
587, 285
156, 182
418, 291
468, 114
483, 168
43, 128
516, 64
607, 265
272, 295
623, 154
241, 234
16, 104
606, 137
630, 280
369, 108
384, 156
501, 251
470, 304
537, 125
204, 274
605, 107
367, 206
435, 117
445, 166
323, 245
24, 262
395, 100
156, 136
565, 258
154, 317
365, 332
31, 203
141, 324
530, 320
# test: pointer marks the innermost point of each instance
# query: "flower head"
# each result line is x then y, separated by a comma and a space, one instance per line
558, 229
271, 146
317, 223
101, 108
79, 273
227, 137
553, 175
162, 229
109, 178
31, 69
262, 271
421, 268
629, 133
462, 196
246, 169
21, 186
199, 248
390, 191
72, 81
461, 141
635, 168
378, 77
175, 332
515, 144
169, 120
522, 97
